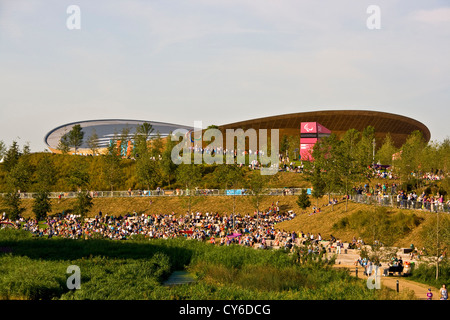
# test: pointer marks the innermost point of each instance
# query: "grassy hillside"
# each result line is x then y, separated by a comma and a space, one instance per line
163, 205
324, 221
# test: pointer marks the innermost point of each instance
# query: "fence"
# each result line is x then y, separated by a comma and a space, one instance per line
382, 200
165, 193
393, 201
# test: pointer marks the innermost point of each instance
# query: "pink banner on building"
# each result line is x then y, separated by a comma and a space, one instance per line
309, 140
308, 127
310, 133
306, 150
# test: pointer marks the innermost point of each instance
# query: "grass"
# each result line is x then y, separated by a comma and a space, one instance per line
427, 274
36, 269
166, 205
325, 222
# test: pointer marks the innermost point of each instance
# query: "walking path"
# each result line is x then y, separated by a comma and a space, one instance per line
347, 260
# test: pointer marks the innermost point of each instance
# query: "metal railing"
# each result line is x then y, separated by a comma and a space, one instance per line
164, 193
393, 201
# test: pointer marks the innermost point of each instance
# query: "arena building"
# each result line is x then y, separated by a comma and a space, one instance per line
336, 121
107, 130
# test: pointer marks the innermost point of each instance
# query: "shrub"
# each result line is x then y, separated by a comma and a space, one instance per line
10, 234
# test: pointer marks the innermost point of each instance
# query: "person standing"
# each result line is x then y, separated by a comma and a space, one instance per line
338, 247
443, 292
429, 295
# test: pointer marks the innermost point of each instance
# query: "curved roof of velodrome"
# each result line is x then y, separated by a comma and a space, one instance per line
106, 130
339, 121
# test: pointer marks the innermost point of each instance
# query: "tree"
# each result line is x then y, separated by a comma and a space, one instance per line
124, 139
11, 157
168, 167
410, 156
45, 174
141, 137
327, 174
336, 172
64, 144
303, 200
436, 236
147, 171
41, 205
157, 147
75, 137
313, 174
284, 145
294, 150
350, 170
386, 151
26, 150
365, 151
190, 176
258, 186
145, 130
92, 142
45, 179
434, 158
83, 204
444, 155
2, 149
19, 178
13, 203
78, 174
112, 166
230, 176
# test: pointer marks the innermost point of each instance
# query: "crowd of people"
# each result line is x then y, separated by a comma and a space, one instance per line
393, 195
249, 229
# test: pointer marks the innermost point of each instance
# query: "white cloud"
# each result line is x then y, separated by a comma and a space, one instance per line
433, 16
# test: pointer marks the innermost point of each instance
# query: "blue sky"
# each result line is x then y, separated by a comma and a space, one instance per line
219, 61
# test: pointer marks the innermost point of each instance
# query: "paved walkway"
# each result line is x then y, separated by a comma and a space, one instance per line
347, 260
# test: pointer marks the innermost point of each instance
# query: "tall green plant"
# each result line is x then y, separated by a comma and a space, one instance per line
189, 175
75, 137
45, 179
83, 204
303, 200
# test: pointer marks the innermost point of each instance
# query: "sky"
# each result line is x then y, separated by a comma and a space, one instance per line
219, 61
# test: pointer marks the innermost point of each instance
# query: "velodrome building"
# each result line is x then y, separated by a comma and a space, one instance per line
336, 121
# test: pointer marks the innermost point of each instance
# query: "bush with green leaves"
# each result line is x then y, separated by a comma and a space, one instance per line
36, 269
